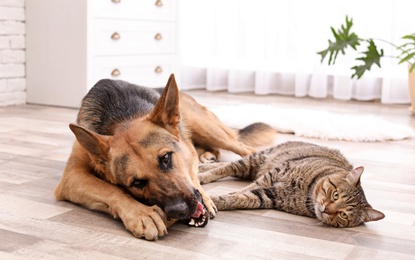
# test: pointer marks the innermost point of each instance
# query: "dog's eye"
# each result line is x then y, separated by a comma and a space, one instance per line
138, 184
165, 161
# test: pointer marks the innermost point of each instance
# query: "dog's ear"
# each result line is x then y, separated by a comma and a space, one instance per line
166, 112
95, 144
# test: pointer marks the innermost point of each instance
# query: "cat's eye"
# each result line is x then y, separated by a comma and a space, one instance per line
343, 215
335, 195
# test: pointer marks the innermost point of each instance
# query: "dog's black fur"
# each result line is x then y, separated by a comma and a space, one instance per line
111, 102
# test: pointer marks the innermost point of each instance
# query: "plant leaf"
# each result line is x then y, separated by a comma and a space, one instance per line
406, 45
343, 39
412, 68
411, 41
409, 37
407, 50
407, 58
371, 56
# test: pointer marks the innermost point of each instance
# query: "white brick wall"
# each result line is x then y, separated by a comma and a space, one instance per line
12, 52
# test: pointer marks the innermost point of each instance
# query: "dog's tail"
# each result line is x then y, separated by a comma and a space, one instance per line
257, 134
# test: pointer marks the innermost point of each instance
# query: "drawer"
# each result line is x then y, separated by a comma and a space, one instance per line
126, 37
144, 70
161, 10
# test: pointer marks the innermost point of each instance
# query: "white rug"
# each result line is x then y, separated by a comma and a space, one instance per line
314, 123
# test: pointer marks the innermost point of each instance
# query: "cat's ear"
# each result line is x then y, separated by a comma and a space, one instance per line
354, 176
372, 215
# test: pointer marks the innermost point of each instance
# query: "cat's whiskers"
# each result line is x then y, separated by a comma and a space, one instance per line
320, 223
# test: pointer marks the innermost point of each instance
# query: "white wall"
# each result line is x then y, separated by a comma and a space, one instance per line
12, 52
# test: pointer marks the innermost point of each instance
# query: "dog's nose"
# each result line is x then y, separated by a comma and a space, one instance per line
177, 211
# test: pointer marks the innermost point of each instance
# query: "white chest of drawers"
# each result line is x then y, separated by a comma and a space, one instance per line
71, 44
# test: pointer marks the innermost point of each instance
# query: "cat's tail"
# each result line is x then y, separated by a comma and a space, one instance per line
257, 134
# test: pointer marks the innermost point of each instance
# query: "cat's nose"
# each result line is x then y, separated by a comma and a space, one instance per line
326, 210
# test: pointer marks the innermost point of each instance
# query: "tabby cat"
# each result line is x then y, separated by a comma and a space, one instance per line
300, 178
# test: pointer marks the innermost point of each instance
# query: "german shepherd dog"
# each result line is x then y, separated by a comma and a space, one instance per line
134, 156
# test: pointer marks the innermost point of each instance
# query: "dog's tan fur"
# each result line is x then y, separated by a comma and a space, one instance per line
152, 159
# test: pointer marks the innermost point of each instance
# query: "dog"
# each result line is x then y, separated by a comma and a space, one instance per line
137, 152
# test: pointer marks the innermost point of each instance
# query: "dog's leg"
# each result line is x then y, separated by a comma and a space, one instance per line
212, 133
207, 130
79, 186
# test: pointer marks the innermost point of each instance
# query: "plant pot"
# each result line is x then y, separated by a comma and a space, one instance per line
411, 83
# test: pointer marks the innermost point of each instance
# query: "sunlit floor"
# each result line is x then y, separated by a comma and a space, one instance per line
35, 142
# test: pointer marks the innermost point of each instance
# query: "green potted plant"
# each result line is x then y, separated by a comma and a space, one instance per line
372, 55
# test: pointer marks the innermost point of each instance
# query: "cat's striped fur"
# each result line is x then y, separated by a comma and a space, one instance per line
300, 178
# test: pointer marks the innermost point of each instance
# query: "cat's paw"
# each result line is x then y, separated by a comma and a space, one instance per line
204, 167
205, 177
210, 206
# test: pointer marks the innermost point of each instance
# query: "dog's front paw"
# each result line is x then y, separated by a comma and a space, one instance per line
145, 221
208, 157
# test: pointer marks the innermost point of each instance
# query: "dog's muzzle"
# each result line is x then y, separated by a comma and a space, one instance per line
197, 218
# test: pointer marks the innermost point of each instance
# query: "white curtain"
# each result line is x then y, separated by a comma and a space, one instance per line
270, 47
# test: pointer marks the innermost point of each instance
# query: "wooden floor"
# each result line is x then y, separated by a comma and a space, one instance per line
35, 142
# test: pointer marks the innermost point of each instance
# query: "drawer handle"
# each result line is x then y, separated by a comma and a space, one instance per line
158, 37
159, 3
158, 69
115, 1
115, 36
115, 73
